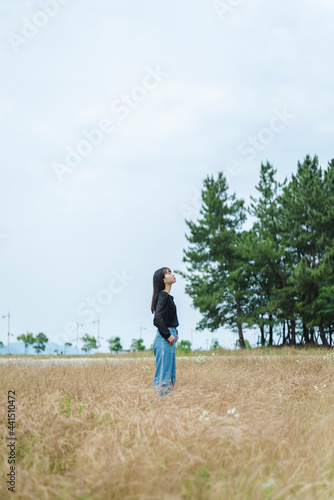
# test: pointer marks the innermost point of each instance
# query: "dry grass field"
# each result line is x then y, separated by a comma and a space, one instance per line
242, 426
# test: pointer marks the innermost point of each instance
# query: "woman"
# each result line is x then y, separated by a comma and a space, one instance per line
165, 319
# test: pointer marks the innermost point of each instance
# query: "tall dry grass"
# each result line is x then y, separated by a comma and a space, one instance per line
119, 445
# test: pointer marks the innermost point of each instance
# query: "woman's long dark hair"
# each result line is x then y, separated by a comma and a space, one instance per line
158, 284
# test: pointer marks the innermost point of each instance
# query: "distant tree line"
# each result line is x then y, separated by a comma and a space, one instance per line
39, 342
277, 276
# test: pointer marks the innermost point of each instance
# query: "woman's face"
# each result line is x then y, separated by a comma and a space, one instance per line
169, 277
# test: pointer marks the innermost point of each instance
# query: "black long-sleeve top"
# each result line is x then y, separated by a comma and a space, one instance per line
165, 314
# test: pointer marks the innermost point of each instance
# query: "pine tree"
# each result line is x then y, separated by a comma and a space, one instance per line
266, 270
303, 202
115, 344
215, 272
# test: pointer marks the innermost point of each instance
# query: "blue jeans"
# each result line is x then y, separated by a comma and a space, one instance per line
165, 363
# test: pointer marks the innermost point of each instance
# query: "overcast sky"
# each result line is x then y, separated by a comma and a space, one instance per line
112, 114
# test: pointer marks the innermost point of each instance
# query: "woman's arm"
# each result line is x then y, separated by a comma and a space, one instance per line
160, 311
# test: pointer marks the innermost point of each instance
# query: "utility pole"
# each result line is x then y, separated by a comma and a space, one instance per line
98, 333
78, 324
7, 316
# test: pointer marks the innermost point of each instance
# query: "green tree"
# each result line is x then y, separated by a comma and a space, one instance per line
40, 342
137, 345
279, 273
215, 277
247, 344
115, 344
1, 344
266, 266
28, 339
89, 343
308, 241
183, 346
216, 345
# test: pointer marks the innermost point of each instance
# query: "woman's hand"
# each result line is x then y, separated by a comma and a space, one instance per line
171, 339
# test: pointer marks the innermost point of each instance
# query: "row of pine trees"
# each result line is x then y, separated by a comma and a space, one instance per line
277, 276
